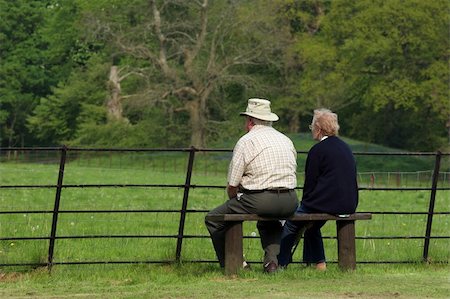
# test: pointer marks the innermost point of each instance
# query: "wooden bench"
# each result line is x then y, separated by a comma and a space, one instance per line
345, 226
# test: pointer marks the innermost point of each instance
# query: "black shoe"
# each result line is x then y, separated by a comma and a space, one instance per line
270, 268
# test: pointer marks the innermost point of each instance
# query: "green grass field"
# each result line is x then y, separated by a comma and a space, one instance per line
206, 281
203, 280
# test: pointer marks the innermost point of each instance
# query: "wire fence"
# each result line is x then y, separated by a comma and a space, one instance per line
179, 172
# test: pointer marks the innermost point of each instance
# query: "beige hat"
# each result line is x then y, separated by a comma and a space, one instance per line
260, 109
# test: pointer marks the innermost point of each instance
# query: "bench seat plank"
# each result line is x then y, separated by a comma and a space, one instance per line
296, 217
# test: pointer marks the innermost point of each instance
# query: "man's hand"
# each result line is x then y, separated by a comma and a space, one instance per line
232, 191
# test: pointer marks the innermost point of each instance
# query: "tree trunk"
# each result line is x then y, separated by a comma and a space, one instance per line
294, 123
114, 105
11, 132
198, 123
448, 128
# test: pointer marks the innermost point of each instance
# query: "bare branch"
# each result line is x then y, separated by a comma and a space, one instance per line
162, 59
180, 33
190, 55
138, 51
185, 90
137, 73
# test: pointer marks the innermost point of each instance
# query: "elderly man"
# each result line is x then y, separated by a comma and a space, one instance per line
261, 180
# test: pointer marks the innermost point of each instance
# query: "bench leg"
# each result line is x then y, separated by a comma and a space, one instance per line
346, 244
233, 248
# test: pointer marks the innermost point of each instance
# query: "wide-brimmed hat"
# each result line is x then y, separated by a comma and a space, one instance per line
260, 109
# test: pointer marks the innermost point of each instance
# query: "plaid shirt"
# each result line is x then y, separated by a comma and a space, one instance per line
263, 159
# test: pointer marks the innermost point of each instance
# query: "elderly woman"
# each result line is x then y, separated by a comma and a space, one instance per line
330, 187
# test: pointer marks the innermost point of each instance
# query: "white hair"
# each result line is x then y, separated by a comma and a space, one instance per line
261, 122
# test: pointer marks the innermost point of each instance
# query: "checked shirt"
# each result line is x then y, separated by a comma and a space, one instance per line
263, 159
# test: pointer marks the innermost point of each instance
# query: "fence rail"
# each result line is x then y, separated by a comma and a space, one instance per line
367, 181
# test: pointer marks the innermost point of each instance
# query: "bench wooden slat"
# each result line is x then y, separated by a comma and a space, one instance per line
296, 217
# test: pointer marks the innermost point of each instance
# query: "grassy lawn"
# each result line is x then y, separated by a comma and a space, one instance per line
205, 280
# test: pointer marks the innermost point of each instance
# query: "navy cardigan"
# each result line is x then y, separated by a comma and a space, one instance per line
330, 178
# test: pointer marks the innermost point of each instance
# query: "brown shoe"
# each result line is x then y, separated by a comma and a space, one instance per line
321, 266
270, 268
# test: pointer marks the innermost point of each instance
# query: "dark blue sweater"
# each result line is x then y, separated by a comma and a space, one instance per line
330, 178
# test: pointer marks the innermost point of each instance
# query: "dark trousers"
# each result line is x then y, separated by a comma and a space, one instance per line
270, 204
313, 251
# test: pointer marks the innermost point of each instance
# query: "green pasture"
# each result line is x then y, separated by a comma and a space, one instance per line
209, 170
91, 168
206, 281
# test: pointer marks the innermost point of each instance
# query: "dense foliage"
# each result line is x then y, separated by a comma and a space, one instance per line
169, 73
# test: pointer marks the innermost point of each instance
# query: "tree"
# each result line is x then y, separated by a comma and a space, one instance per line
77, 101
187, 51
23, 73
79, 90
305, 19
382, 56
38, 50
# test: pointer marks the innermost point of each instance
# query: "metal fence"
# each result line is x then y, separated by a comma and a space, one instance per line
369, 180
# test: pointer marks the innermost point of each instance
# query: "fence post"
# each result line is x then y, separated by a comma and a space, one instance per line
437, 165
51, 246
187, 186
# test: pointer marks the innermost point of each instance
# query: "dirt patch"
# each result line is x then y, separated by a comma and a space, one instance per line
10, 277
16, 276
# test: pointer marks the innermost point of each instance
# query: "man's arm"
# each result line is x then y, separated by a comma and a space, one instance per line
232, 191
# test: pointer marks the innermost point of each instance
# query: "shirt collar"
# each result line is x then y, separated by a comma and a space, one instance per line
323, 138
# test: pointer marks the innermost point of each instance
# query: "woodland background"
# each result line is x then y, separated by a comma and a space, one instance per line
173, 73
